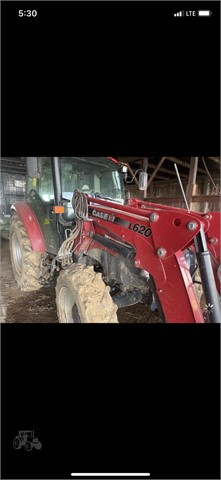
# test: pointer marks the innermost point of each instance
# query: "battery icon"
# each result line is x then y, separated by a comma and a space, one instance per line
204, 13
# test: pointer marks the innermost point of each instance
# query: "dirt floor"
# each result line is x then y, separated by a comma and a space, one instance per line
39, 307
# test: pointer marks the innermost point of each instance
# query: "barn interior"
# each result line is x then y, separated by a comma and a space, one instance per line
200, 181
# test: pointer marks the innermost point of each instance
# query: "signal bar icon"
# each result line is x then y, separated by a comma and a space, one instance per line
178, 14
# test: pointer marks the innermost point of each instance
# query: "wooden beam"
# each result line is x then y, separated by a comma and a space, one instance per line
191, 186
184, 164
206, 185
156, 170
161, 177
171, 159
207, 198
167, 170
215, 160
162, 169
195, 199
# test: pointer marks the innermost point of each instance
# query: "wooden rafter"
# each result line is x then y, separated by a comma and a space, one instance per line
191, 186
184, 164
167, 170
156, 170
195, 198
216, 160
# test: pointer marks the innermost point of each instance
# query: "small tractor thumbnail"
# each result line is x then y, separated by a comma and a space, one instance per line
26, 439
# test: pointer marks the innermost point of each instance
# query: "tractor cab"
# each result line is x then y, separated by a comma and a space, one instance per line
26, 433
95, 176
51, 183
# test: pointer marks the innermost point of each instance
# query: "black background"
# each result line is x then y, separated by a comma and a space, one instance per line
111, 78
112, 398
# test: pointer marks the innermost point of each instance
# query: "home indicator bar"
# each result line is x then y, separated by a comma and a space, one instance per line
109, 475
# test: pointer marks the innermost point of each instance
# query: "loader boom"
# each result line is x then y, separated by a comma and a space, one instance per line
158, 235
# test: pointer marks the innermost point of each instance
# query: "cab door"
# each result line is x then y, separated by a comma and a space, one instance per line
40, 197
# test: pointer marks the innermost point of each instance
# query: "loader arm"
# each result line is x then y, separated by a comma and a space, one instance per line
155, 237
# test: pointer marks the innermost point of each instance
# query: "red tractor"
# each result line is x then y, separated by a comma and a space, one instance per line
107, 251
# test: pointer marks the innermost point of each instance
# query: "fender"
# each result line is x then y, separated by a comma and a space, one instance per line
31, 224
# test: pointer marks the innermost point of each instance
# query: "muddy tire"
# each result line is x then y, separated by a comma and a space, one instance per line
26, 263
83, 297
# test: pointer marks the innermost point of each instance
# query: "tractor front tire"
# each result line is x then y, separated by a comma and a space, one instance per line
28, 447
26, 263
38, 446
83, 297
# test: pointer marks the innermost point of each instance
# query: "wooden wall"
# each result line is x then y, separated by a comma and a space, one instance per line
169, 193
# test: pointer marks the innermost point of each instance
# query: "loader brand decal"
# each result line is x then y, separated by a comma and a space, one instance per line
104, 216
110, 218
136, 227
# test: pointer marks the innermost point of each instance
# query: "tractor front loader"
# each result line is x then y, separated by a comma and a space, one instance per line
107, 252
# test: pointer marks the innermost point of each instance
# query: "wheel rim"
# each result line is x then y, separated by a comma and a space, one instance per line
67, 307
16, 443
17, 253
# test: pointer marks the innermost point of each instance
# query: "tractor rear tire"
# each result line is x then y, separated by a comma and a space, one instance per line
26, 263
83, 297
17, 443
